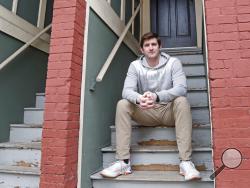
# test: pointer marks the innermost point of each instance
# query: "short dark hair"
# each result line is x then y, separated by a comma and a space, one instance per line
148, 36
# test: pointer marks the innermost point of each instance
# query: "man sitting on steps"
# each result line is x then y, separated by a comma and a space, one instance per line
153, 94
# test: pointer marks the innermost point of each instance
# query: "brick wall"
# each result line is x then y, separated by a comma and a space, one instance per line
62, 104
228, 32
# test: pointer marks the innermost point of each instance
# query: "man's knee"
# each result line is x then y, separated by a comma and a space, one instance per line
181, 101
123, 104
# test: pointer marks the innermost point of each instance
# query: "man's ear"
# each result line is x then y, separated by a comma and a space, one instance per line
142, 51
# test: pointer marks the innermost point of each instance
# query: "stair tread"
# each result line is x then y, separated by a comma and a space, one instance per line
182, 51
162, 176
136, 126
33, 108
19, 170
136, 148
21, 145
26, 125
40, 94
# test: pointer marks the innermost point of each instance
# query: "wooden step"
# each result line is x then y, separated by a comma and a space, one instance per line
163, 135
149, 179
160, 155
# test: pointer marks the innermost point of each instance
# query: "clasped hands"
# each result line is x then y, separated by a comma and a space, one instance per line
147, 100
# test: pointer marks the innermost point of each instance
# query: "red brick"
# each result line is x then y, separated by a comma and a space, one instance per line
241, 68
230, 113
220, 102
63, 4
244, 27
61, 33
243, 2
245, 44
228, 10
215, 46
244, 35
233, 36
219, 3
218, 83
219, 92
243, 9
231, 45
65, 11
214, 20
222, 28
241, 82
60, 57
213, 11
244, 17
220, 73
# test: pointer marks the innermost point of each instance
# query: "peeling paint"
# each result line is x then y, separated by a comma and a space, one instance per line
163, 167
153, 142
25, 164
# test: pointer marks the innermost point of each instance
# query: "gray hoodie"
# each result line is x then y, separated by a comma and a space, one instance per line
167, 79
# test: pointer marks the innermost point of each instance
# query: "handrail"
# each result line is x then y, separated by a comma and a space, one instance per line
115, 48
20, 50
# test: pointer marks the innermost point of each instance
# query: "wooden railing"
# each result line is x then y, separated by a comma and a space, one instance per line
103, 9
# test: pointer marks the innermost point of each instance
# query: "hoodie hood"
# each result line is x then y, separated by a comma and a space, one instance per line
162, 62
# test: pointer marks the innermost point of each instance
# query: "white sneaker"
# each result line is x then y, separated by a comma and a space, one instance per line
116, 169
188, 170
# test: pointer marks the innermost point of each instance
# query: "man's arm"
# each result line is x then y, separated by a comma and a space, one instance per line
130, 89
179, 84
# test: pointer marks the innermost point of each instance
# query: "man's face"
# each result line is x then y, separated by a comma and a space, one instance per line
151, 48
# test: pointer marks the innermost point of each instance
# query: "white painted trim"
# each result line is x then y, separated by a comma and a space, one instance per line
41, 14
82, 99
133, 23
145, 23
14, 6
25, 46
108, 15
22, 30
198, 15
123, 10
208, 83
116, 47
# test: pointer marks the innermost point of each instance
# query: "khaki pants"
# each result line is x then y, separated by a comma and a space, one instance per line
175, 113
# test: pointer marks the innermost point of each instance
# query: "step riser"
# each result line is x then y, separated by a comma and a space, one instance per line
191, 59
20, 157
33, 117
194, 70
200, 115
142, 184
197, 83
150, 158
19, 180
40, 99
24, 134
197, 98
200, 137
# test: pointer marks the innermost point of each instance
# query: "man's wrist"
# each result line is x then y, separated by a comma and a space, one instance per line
157, 98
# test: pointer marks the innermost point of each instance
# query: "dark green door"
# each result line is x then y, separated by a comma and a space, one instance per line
174, 21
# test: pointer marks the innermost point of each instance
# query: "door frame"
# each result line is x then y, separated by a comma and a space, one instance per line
146, 21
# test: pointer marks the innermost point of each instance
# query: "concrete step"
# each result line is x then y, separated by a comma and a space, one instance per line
40, 99
160, 157
194, 70
33, 116
198, 98
200, 115
197, 82
162, 135
19, 177
149, 179
195, 59
20, 154
182, 51
25, 133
